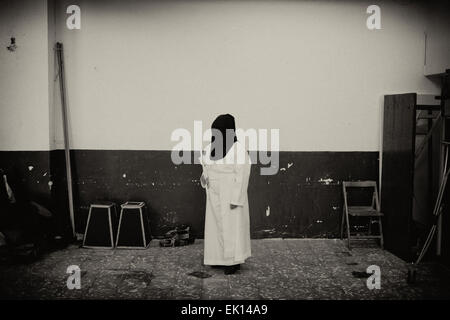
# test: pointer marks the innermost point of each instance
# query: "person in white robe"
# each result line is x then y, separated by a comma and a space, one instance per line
226, 171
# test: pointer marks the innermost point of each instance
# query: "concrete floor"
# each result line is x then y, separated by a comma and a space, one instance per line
278, 269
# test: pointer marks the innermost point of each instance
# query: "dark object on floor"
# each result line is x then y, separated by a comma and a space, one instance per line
360, 274
180, 236
26, 253
26, 225
232, 269
134, 230
199, 274
352, 263
139, 275
100, 226
412, 272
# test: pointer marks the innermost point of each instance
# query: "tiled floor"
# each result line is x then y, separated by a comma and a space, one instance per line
278, 269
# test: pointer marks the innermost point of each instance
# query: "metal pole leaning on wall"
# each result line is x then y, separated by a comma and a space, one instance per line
443, 179
62, 86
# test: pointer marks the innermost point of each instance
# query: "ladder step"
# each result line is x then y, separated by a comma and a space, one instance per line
428, 107
428, 116
361, 237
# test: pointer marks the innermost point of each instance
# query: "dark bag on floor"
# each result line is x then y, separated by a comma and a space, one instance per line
180, 236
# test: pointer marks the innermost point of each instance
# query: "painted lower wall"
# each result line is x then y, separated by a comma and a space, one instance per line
303, 200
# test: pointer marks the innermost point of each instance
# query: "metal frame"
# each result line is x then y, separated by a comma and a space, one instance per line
62, 86
437, 211
377, 217
111, 234
133, 205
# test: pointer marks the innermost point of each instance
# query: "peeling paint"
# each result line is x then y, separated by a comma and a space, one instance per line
50, 184
268, 211
282, 169
267, 231
30, 168
326, 181
319, 221
124, 175
45, 173
290, 164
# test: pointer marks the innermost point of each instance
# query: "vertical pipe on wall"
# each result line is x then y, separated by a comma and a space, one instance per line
59, 50
441, 174
444, 79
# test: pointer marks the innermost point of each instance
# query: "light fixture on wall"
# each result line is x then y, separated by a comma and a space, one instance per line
12, 47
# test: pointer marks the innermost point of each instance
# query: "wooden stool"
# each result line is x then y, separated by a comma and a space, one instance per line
134, 230
99, 232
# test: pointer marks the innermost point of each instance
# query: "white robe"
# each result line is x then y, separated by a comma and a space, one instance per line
227, 231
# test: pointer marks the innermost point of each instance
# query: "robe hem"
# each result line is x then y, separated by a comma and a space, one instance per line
225, 263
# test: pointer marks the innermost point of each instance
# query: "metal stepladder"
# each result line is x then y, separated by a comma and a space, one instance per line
444, 175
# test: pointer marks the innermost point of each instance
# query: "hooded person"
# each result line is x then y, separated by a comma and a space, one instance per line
226, 171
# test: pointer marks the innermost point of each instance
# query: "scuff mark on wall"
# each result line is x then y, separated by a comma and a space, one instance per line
266, 232
325, 181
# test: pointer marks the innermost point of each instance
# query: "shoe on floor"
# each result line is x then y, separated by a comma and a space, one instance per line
231, 269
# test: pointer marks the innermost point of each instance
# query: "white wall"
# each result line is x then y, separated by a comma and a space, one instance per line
139, 69
438, 42
24, 98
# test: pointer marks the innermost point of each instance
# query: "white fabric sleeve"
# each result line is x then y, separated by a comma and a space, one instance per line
240, 182
204, 172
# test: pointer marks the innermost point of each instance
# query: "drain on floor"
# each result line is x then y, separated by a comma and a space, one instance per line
360, 274
199, 274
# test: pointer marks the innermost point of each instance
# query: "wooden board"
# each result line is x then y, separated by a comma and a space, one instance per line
398, 172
